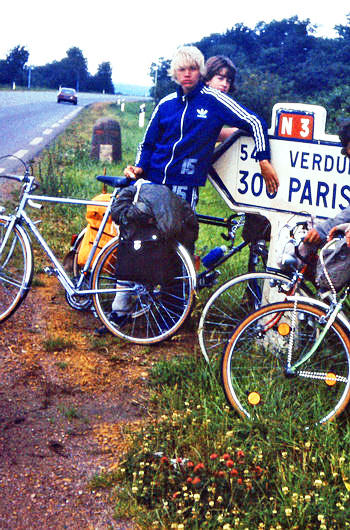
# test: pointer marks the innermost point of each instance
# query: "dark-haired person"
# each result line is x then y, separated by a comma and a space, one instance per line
220, 73
318, 235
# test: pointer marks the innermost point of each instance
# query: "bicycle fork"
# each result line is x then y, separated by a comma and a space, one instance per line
328, 319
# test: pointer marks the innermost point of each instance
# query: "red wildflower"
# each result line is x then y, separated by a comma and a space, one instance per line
190, 464
258, 470
213, 456
176, 494
164, 460
240, 454
189, 480
230, 463
226, 456
198, 467
233, 472
196, 480
221, 473
179, 460
239, 481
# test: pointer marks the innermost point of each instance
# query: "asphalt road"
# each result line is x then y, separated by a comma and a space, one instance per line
30, 120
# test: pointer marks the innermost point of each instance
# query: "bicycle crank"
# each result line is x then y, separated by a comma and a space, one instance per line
79, 302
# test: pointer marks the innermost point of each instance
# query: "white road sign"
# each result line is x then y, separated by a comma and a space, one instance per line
314, 176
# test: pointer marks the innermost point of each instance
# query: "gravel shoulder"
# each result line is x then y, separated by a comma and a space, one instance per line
63, 412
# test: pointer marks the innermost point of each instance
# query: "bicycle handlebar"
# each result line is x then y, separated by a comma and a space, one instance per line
19, 178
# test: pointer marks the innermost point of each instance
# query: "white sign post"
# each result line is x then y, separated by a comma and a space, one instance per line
314, 176
142, 115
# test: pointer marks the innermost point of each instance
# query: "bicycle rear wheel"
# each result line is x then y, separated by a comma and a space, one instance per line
255, 374
16, 269
157, 311
233, 302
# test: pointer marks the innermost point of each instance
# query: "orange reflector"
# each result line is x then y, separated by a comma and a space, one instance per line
254, 398
283, 329
330, 379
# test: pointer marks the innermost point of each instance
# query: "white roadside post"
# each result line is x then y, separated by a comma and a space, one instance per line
142, 115
313, 174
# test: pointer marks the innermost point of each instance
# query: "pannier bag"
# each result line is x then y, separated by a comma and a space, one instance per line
145, 257
337, 262
94, 216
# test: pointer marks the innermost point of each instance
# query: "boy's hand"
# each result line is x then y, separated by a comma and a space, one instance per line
345, 227
133, 172
269, 175
312, 237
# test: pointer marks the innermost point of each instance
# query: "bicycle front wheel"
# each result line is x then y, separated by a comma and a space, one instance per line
233, 302
156, 311
16, 269
268, 376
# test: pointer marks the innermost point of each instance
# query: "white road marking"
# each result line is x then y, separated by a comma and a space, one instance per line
21, 153
2, 169
36, 140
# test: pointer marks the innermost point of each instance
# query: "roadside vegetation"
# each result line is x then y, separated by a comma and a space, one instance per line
194, 463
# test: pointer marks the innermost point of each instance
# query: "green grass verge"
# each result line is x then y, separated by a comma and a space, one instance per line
196, 464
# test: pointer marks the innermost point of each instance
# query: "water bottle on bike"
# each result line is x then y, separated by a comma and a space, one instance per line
213, 256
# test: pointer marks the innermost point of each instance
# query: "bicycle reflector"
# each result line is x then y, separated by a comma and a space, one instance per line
283, 329
254, 398
330, 379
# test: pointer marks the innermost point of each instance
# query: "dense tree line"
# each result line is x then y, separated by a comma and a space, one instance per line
70, 71
280, 61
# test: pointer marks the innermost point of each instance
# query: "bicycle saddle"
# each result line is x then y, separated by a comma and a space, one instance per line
116, 182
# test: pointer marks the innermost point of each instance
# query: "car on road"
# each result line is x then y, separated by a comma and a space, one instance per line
67, 94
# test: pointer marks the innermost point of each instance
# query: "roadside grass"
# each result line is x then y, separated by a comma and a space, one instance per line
52, 344
196, 464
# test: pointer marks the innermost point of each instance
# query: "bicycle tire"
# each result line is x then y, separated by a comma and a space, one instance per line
158, 311
16, 269
254, 376
231, 303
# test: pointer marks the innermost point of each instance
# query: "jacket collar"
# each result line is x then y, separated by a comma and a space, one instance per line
190, 95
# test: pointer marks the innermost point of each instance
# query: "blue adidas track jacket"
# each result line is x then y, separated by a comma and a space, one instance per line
181, 135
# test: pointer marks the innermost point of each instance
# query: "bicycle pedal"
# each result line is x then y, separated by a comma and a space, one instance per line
50, 271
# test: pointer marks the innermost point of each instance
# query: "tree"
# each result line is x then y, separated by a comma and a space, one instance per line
12, 69
74, 69
162, 82
102, 81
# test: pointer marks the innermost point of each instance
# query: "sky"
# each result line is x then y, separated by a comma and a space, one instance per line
134, 33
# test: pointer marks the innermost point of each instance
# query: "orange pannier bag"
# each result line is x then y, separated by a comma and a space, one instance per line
94, 216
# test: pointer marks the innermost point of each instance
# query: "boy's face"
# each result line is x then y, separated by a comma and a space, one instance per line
220, 81
188, 77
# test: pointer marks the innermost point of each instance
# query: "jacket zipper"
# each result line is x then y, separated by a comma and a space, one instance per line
175, 144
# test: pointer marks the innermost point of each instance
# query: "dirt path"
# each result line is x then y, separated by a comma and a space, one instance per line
62, 412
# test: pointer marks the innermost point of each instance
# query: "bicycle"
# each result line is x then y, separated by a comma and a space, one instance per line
208, 277
157, 313
233, 301
290, 357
